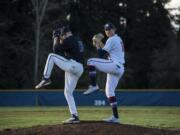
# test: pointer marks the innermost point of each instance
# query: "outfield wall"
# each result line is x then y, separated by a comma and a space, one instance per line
56, 98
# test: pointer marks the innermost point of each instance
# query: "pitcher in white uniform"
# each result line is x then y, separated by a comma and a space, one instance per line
111, 62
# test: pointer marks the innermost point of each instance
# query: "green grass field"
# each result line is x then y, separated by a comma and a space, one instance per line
158, 117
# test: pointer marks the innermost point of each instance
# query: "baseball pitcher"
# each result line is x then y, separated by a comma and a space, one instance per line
111, 62
68, 56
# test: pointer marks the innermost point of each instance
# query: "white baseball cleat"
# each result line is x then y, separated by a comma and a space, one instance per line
44, 82
91, 89
112, 119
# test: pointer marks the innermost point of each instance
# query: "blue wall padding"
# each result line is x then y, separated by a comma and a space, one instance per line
56, 98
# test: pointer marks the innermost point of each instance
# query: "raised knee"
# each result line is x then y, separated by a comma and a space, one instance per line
89, 62
50, 55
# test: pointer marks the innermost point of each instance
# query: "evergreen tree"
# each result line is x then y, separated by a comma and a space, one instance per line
152, 53
16, 49
148, 28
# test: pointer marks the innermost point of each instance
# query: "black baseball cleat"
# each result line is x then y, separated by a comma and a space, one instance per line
44, 82
74, 119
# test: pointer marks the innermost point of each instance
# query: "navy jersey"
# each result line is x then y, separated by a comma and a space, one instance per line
71, 48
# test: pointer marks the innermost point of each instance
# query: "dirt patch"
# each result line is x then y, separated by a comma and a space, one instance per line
89, 128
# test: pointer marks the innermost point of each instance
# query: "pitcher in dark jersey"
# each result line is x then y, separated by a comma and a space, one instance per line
68, 56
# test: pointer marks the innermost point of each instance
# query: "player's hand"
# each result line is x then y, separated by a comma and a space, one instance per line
97, 40
56, 33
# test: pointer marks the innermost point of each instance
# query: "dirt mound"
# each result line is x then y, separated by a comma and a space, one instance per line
89, 128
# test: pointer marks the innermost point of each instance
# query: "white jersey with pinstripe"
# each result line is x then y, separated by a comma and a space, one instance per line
114, 46
113, 66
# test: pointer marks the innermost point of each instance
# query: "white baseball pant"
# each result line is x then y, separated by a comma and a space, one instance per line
73, 71
114, 72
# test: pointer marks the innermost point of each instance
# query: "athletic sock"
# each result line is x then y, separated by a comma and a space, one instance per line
113, 103
92, 75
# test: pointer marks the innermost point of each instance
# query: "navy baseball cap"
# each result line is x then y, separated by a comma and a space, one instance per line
109, 26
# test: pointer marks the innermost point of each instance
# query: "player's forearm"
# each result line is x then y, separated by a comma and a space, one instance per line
102, 53
55, 44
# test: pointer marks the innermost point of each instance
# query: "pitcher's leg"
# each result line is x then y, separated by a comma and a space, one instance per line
92, 65
71, 79
52, 59
70, 85
111, 84
103, 65
92, 74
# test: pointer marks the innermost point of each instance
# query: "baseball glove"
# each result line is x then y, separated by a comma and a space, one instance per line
97, 40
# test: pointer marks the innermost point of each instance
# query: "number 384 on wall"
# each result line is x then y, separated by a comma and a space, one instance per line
99, 102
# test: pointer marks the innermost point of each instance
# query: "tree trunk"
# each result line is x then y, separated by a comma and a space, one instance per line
39, 7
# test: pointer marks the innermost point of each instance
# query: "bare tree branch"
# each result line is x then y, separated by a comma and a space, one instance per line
33, 2
41, 5
40, 8
43, 11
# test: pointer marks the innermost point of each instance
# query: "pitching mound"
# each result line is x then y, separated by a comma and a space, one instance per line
89, 128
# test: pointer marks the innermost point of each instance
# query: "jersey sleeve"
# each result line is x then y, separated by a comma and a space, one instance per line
65, 45
102, 53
